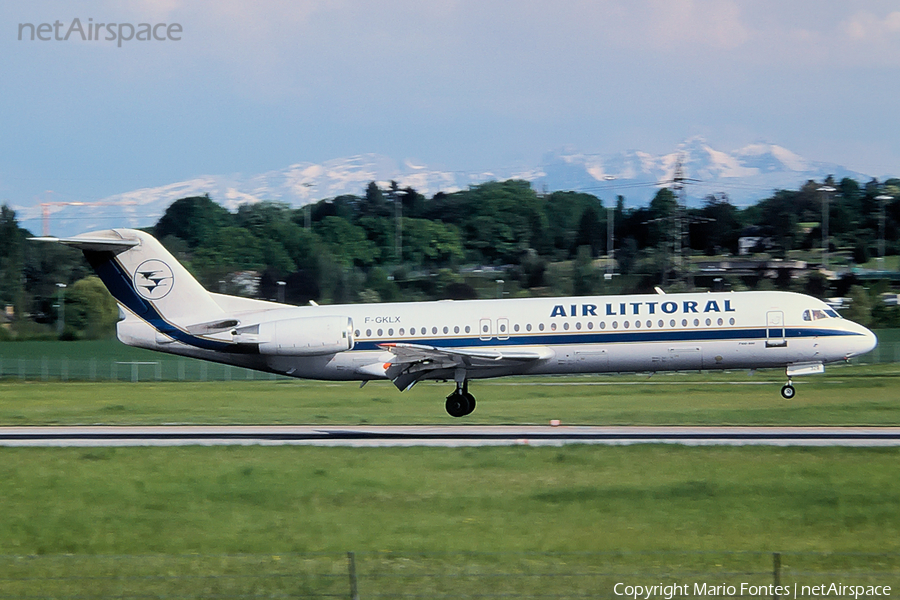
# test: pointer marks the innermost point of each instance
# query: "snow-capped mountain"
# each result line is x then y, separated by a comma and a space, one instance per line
746, 175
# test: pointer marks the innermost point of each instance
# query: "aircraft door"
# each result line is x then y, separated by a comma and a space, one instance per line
775, 329
484, 330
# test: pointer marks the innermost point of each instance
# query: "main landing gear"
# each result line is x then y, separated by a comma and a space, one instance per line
460, 403
787, 392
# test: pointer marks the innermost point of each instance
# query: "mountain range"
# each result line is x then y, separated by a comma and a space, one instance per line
746, 175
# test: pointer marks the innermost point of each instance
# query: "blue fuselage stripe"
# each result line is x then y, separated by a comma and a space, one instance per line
596, 338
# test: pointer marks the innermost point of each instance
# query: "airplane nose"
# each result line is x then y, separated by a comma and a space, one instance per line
871, 341
866, 342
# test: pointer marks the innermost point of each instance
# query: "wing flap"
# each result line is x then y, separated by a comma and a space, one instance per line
413, 362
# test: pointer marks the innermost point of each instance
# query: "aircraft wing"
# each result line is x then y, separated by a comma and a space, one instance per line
412, 362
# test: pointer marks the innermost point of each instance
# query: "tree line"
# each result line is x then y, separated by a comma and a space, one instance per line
496, 238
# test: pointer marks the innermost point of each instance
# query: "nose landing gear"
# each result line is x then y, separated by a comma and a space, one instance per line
787, 391
460, 403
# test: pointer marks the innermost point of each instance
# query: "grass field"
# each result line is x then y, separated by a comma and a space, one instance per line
508, 499
845, 395
204, 521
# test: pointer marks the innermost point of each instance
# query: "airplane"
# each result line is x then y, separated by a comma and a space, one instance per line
162, 307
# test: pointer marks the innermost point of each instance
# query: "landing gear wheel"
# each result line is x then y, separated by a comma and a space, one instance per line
457, 405
460, 403
470, 400
787, 392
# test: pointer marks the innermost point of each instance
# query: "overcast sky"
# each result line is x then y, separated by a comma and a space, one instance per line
467, 85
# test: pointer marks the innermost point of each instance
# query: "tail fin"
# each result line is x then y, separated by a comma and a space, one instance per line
146, 279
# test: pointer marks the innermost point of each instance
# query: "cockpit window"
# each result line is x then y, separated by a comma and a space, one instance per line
815, 314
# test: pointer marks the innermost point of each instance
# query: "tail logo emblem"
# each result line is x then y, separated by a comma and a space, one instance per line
153, 279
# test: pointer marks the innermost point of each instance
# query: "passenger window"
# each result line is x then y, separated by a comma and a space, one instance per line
625, 324
368, 333
661, 324
731, 321
672, 323
541, 326
566, 326
391, 331
720, 321
553, 326
615, 324
590, 325
380, 332
516, 328
637, 324
456, 329
357, 333
602, 324
446, 329
434, 331
696, 322
468, 329
649, 323
528, 327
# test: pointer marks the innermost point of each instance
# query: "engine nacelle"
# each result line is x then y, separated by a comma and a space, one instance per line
306, 336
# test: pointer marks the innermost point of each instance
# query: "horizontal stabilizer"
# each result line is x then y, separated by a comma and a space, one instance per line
95, 244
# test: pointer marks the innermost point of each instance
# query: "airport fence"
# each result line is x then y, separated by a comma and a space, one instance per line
363, 576
111, 361
63, 368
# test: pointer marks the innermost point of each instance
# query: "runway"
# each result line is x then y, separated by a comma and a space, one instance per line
444, 436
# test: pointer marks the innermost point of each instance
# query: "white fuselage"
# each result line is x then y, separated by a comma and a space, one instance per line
591, 334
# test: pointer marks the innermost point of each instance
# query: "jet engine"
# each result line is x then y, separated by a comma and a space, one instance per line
306, 336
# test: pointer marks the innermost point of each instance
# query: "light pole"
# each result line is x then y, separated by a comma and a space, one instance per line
610, 235
307, 210
610, 241
882, 200
61, 310
826, 196
281, 285
398, 226
499, 288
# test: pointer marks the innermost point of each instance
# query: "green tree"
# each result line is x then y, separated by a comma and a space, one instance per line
860, 309
591, 232
90, 309
11, 258
431, 243
584, 275
348, 243
196, 220
565, 221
